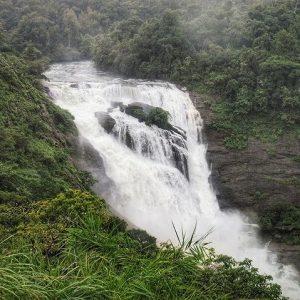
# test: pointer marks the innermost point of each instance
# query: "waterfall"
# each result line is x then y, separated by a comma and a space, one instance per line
160, 176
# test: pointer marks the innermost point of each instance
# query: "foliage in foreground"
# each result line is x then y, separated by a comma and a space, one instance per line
96, 257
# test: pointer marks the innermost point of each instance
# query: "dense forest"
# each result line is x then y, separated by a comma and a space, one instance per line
59, 241
245, 52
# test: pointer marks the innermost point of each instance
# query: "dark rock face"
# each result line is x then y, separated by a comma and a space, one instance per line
256, 179
46, 90
177, 130
138, 111
74, 85
178, 143
262, 168
145, 107
175, 135
287, 254
106, 121
87, 158
129, 141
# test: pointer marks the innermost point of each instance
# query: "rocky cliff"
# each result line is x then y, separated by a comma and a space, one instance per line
260, 180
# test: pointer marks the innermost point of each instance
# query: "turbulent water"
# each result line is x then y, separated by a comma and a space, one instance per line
158, 176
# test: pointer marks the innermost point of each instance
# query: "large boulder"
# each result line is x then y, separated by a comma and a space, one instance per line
141, 112
136, 110
106, 121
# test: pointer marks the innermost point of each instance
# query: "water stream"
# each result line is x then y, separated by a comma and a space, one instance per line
158, 176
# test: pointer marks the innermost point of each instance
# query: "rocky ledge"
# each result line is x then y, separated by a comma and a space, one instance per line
175, 136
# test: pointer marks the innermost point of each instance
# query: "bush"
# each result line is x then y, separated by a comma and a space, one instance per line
48, 219
283, 223
159, 117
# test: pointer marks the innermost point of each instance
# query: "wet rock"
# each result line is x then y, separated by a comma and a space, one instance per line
179, 152
177, 130
125, 137
141, 110
136, 111
145, 107
181, 162
47, 90
129, 141
106, 121
118, 104
87, 158
287, 254
175, 136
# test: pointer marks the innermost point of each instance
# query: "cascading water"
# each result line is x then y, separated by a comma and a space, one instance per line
160, 176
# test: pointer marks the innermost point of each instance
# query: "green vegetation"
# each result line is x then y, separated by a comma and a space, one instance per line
159, 117
71, 247
250, 60
296, 158
244, 52
283, 223
66, 29
35, 154
156, 116
34, 150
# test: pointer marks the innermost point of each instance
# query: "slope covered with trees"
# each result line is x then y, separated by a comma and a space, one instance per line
250, 60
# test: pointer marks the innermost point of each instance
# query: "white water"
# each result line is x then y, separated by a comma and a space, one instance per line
149, 191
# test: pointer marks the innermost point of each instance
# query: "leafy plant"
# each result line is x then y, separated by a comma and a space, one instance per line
99, 258
159, 117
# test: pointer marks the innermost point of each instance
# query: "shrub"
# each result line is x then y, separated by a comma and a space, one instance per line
159, 117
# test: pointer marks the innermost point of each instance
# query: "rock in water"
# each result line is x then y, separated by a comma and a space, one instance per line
74, 85
106, 121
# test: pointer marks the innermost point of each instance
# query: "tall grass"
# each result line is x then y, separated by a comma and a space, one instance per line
98, 261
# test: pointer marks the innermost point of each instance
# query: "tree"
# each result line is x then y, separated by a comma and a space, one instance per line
285, 44
71, 26
3, 39
37, 30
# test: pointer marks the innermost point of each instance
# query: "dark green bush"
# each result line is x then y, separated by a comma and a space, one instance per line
159, 117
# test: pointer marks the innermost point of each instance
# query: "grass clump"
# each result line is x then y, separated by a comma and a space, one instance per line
97, 257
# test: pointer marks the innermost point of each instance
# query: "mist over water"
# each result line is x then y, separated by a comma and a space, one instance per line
149, 190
